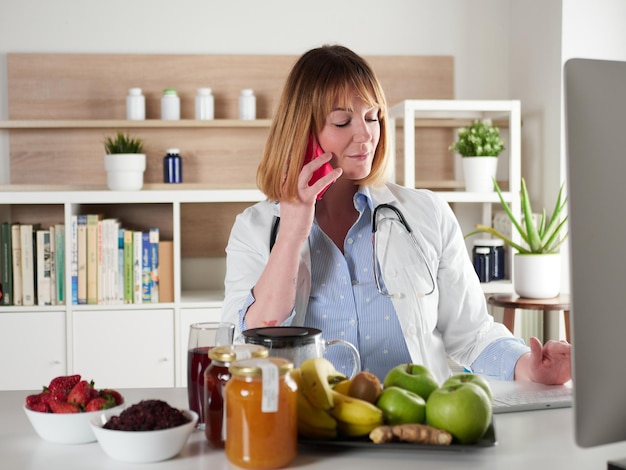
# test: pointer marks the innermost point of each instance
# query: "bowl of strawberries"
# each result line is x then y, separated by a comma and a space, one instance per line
62, 411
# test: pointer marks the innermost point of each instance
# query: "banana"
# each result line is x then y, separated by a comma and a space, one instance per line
308, 415
355, 430
317, 375
311, 432
343, 386
354, 410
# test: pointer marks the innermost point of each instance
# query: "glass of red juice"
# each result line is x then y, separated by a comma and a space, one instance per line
203, 337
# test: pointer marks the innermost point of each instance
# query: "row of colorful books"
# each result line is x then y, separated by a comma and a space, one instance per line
110, 264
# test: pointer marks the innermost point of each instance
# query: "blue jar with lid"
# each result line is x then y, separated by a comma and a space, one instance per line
488, 258
172, 166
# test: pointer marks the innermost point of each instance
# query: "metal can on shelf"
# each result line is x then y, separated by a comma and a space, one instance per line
261, 414
216, 375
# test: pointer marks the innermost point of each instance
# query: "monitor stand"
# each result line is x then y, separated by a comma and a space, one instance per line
616, 464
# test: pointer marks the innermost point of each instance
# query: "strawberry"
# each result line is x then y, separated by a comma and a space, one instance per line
41, 407
61, 386
32, 400
80, 393
100, 403
63, 407
117, 397
39, 400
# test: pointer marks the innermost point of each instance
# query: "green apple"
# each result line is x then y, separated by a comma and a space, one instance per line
400, 406
413, 377
464, 410
472, 378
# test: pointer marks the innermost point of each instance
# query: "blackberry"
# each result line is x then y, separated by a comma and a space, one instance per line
147, 415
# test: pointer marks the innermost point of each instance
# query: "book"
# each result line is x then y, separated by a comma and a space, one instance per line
137, 267
43, 272
101, 263
74, 259
145, 268
112, 268
154, 265
59, 263
53, 270
92, 258
28, 265
6, 262
166, 271
81, 260
16, 246
129, 283
120, 265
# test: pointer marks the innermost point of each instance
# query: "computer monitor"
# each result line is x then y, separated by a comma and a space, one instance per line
595, 117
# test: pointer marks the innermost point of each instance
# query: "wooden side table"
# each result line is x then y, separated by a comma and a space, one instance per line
511, 303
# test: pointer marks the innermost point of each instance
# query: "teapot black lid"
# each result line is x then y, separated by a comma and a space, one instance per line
281, 336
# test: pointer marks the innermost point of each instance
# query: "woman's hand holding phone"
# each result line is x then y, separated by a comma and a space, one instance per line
313, 151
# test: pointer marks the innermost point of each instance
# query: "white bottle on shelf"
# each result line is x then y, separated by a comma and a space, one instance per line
247, 105
204, 104
170, 105
135, 105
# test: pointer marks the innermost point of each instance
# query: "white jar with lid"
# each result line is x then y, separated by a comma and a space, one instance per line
247, 105
135, 105
204, 104
170, 105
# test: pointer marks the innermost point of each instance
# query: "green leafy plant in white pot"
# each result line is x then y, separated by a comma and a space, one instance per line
537, 261
124, 162
479, 146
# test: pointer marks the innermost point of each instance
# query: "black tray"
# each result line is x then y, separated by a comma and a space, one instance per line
488, 440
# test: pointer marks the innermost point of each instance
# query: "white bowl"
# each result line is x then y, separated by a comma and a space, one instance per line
142, 446
62, 428
125, 171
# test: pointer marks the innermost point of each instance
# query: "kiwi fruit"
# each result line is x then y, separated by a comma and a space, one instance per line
366, 386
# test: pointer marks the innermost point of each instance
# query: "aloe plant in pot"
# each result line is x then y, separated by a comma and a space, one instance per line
124, 162
537, 262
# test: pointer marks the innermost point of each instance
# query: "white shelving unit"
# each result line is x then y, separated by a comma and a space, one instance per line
453, 113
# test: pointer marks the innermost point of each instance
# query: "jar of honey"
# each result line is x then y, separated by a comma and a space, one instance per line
261, 414
215, 377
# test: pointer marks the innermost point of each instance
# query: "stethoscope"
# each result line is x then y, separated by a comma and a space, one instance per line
402, 221
377, 274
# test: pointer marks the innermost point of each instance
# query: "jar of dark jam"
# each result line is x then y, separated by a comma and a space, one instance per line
215, 377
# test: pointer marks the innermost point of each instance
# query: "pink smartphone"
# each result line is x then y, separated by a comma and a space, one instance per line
313, 150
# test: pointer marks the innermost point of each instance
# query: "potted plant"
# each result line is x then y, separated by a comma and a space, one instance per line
124, 162
479, 145
537, 263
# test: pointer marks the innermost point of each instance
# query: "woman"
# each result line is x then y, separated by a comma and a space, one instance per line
306, 255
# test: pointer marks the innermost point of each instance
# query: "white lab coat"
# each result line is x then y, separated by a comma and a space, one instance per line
451, 321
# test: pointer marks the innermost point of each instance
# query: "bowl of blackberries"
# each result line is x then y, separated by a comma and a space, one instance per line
148, 431
62, 411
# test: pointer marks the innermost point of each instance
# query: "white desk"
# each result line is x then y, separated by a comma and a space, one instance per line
529, 440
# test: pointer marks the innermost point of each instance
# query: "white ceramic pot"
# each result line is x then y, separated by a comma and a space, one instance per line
537, 276
478, 173
125, 171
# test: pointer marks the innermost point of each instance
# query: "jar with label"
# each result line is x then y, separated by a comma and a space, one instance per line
135, 105
204, 104
172, 166
215, 377
488, 258
261, 414
170, 105
247, 105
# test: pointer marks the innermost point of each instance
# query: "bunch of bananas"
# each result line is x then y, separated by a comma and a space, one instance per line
324, 412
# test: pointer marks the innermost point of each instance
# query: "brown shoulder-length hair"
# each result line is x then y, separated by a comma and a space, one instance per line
321, 79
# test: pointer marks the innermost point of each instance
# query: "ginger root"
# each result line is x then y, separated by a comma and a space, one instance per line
414, 433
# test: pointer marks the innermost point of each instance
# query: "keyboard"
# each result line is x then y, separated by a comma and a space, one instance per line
530, 396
